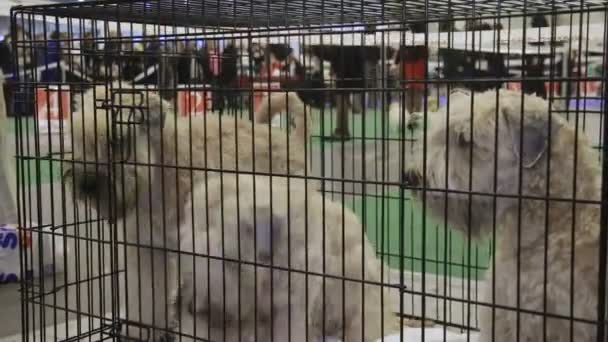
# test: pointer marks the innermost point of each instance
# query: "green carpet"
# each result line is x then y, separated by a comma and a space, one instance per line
37, 171
27, 125
41, 171
371, 125
427, 246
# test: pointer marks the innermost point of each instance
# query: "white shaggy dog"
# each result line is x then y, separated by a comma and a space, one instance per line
276, 102
135, 162
536, 183
294, 229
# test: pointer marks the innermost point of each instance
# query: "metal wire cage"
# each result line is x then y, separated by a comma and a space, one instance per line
388, 202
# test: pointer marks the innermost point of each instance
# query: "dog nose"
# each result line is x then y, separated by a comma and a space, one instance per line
88, 183
412, 178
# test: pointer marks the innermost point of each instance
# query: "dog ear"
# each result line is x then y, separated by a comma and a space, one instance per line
267, 233
530, 141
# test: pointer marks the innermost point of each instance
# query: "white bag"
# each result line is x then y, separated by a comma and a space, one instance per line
38, 253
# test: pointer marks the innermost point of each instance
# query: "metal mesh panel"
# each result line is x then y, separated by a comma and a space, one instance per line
434, 170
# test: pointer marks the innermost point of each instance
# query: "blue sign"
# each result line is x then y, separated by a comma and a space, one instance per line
8, 238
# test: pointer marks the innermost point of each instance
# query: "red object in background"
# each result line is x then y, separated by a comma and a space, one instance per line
552, 86
193, 102
25, 238
413, 61
414, 70
258, 91
590, 88
264, 72
275, 66
52, 103
513, 86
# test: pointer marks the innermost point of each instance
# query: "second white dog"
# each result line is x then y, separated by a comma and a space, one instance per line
268, 249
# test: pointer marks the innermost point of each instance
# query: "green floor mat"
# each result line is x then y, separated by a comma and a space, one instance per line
368, 125
41, 171
37, 171
438, 251
27, 125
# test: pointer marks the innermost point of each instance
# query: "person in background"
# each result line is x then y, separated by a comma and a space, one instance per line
6, 60
183, 57
346, 64
111, 56
6, 67
391, 72
24, 60
88, 50
167, 77
534, 65
305, 79
190, 59
8, 207
412, 61
51, 55
271, 66
24, 50
534, 71
132, 61
257, 57
152, 50
204, 74
228, 76
539, 20
292, 67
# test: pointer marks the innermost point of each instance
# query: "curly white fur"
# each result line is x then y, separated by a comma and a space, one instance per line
290, 221
136, 162
485, 135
